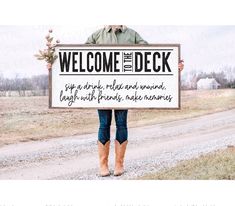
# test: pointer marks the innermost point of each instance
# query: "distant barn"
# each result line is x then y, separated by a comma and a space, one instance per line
207, 83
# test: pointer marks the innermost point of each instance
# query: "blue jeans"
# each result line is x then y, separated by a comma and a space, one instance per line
105, 118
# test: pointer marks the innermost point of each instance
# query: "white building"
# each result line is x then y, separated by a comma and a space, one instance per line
207, 83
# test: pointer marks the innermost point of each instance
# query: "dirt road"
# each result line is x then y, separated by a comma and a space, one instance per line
150, 149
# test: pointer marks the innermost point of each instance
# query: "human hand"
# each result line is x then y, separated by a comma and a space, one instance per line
181, 65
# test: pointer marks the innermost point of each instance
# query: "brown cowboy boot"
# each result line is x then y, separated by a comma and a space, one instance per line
103, 157
120, 150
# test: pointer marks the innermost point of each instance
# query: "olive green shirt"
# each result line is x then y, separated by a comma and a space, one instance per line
123, 36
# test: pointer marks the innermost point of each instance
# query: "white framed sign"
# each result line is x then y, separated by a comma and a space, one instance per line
115, 76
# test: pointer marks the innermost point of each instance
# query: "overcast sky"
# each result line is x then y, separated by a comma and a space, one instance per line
204, 48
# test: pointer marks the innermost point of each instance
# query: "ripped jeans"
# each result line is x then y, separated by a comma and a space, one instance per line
105, 118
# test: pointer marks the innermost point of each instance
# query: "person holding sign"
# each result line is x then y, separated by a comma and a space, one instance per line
114, 34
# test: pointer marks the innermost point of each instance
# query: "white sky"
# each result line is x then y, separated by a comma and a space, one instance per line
204, 48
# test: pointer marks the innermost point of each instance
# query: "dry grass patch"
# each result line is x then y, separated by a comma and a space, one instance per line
219, 165
28, 118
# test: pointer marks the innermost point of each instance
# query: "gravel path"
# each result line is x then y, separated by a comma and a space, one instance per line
150, 149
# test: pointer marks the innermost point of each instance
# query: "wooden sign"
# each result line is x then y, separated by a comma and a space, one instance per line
115, 76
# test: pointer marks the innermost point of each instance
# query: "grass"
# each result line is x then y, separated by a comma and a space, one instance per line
219, 165
28, 118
